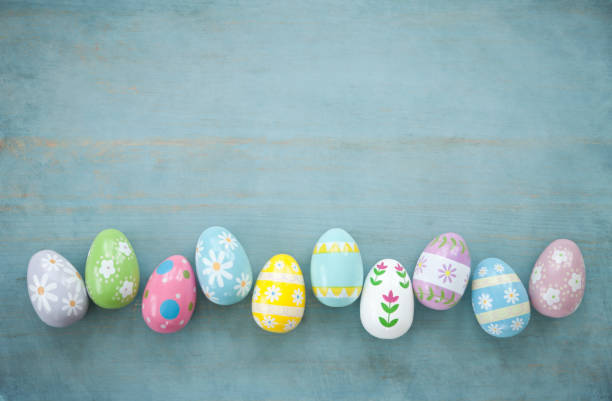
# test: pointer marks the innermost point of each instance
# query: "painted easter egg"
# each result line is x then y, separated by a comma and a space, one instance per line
169, 297
336, 269
223, 268
111, 272
56, 289
387, 302
499, 299
442, 272
558, 279
279, 297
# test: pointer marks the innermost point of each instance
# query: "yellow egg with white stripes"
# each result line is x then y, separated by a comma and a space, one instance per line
279, 296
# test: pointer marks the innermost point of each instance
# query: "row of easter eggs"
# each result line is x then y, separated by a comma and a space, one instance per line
500, 301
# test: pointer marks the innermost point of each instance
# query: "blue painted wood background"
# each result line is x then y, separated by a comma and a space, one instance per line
278, 120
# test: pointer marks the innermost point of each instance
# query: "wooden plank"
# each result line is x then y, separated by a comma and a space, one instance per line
394, 120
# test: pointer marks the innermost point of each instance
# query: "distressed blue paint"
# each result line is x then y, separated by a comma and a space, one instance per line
279, 120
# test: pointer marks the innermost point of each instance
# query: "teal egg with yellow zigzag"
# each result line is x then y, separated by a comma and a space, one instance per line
336, 269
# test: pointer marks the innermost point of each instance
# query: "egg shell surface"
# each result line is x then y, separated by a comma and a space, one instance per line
499, 299
558, 279
111, 272
336, 269
56, 289
222, 266
169, 297
386, 308
279, 296
442, 272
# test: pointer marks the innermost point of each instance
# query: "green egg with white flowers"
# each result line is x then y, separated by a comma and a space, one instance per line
112, 276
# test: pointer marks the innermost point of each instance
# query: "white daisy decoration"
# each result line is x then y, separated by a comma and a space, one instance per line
517, 324
551, 296
124, 248
560, 256
210, 294
536, 274
73, 277
511, 295
482, 271
199, 249
499, 268
290, 325
298, 297
273, 293
40, 292
295, 267
243, 284
494, 329
216, 268
485, 302
575, 282
72, 305
228, 241
269, 321
107, 268
127, 288
52, 262
256, 293
279, 265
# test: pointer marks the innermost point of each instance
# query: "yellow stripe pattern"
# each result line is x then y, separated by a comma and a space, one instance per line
503, 313
337, 292
279, 296
494, 280
335, 247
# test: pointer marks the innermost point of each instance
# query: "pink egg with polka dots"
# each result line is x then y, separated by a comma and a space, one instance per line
558, 279
170, 295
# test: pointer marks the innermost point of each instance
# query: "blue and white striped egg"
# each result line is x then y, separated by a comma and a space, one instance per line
499, 299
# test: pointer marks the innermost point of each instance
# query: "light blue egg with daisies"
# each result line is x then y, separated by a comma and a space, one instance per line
222, 266
499, 299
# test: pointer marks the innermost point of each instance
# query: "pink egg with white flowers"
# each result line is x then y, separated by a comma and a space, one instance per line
170, 295
558, 279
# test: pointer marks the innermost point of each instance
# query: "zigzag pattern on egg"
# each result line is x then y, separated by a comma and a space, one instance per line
337, 292
335, 247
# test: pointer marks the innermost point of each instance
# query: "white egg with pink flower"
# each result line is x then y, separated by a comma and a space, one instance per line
387, 301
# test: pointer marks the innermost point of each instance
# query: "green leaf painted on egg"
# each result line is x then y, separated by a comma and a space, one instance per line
431, 294
375, 282
454, 243
385, 323
389, 309
443, 241
450, 300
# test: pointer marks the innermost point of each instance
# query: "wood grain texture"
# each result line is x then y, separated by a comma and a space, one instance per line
278, 120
